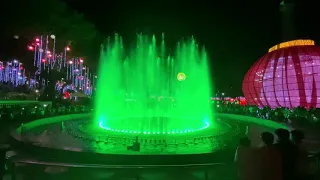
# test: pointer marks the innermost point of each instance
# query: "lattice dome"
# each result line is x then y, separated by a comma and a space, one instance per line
287, 76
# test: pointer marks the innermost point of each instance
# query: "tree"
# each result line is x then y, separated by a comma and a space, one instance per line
32, 18
35, 17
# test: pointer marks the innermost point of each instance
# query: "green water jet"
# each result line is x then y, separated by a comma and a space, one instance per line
144, 90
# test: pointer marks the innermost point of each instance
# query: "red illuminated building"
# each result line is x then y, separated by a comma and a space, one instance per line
287, 76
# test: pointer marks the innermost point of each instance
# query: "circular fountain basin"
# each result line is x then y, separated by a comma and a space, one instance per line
81, 141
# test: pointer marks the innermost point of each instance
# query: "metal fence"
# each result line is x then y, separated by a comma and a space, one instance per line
48, 170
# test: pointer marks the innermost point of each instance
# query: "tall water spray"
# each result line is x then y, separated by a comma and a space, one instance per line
142, 90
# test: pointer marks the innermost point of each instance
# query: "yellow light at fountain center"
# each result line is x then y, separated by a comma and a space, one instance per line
181, 76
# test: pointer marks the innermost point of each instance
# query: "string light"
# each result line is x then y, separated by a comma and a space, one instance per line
46, 58
12, 72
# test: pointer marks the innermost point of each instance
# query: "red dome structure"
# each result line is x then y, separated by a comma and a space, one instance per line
287, 76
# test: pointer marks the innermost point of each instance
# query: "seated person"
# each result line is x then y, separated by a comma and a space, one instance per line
135, 146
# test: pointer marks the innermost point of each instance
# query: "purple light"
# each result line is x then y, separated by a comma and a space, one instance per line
287, 77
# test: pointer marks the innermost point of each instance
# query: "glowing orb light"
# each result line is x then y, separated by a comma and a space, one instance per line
181, 76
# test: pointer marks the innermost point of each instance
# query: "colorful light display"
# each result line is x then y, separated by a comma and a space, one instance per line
286, 77
46, 58
134, 95
12, 72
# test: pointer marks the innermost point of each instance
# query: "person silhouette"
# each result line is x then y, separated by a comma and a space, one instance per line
244, 158
270, 164
302, 165
288, 153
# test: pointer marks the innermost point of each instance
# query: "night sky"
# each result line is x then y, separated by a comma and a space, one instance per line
235, 33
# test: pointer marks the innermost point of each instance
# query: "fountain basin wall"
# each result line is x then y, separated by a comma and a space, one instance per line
57, 119
262, 122
51, 120
25, 102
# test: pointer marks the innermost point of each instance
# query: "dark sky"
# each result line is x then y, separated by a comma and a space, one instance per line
235, 33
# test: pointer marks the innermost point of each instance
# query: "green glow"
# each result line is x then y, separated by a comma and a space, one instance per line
142, 89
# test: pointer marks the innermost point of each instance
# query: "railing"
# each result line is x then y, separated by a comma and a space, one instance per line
205, 171
208, 171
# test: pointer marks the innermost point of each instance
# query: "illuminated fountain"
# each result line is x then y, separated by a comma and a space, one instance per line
143, 90
148, 105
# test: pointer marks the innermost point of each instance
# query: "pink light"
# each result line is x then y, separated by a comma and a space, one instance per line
81, 60
67, 49
70, 62
48, 52
37, 39
38, 44
49, 55
43, 60
291, 83
30, 48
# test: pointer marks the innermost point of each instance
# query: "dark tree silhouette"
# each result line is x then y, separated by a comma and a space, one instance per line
35, 17
51, 78
28, 19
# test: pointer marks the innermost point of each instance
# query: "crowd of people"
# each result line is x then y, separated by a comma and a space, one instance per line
299, 116
282, 156
286, 159
26, 113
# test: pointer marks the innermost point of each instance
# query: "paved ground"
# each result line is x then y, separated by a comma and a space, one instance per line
312, 138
